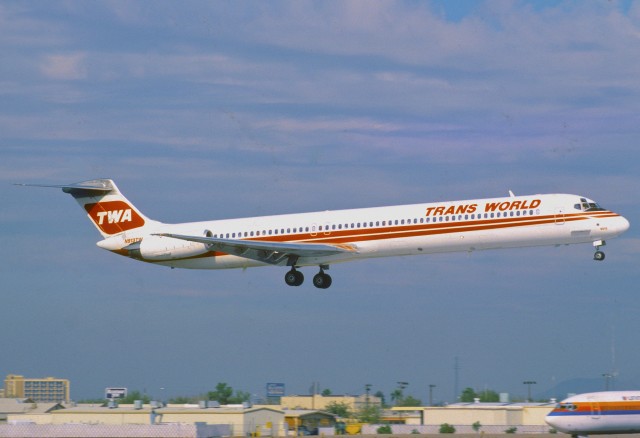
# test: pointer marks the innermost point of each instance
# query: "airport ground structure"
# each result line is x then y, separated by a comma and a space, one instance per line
23, 417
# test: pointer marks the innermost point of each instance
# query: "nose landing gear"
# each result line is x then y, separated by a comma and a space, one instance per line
599, 255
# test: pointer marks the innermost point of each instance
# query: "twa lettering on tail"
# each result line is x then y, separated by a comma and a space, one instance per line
324, 238
114, 217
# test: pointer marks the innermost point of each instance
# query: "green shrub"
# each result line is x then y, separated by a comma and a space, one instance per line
386, 429
511, 430
447, 428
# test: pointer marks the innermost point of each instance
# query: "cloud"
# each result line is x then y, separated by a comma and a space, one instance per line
65, 67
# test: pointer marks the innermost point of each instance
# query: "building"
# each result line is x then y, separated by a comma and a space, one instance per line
309, 422
321, 402
16, 406
45, 390
237, 420
473, 417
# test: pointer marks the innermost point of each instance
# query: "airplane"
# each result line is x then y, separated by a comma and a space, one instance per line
607, 412
328, 237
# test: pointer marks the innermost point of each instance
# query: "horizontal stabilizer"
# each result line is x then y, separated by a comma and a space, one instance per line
82, 189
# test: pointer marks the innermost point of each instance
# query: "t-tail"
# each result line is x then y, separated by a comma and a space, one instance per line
106, 207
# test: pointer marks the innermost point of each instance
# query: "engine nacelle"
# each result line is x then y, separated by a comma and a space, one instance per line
158, 248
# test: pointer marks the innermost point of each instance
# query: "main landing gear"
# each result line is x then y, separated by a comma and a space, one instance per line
599, 255
320, 280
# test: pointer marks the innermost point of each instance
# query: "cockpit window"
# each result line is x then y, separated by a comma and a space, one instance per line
586, 205
567, 406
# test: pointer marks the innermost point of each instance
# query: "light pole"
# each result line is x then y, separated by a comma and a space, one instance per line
431, 394
606, 376
367, 389
399, 392
529, 383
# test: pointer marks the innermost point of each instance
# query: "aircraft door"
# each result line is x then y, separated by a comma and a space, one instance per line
314, 230
595, 409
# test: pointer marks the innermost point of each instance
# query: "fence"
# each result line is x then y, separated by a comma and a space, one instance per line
399, 429
170, 430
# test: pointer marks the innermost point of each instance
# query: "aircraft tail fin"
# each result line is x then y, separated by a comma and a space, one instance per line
107, 208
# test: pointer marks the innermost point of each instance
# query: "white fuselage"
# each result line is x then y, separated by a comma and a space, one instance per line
610, 412
553, 219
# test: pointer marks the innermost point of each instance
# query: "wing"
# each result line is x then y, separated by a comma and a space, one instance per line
274, 253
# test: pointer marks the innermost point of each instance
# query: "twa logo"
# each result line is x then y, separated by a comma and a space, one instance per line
114, 217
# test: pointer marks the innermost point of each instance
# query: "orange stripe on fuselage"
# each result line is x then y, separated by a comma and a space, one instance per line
415, 230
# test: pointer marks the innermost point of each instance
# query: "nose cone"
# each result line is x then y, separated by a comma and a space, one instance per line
551, 420
623, 225
558, 422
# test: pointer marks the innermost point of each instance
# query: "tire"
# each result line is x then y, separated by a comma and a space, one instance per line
293, 278
321, 280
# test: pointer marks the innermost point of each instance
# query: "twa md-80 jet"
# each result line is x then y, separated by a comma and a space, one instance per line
597, 413
323, 238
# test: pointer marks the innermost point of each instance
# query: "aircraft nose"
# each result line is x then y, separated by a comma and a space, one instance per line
551, 420
556, 421
624, 224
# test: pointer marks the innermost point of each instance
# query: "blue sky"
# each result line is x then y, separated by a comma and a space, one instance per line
212, 110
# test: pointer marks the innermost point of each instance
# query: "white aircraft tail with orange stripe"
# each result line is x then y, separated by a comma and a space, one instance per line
108, 209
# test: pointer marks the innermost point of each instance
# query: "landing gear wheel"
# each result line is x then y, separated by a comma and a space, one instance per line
294, 278
599, 256
322, 280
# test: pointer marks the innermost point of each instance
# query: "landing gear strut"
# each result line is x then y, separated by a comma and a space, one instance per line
322, 280
599, 255
294, 277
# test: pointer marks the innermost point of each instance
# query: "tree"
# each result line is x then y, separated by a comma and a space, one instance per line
133, 396
476, 426
341, 409
380, 395
468, 395
224, 395
326, 392
409, 401
181, 400
489, 396
369, 414
396, 396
